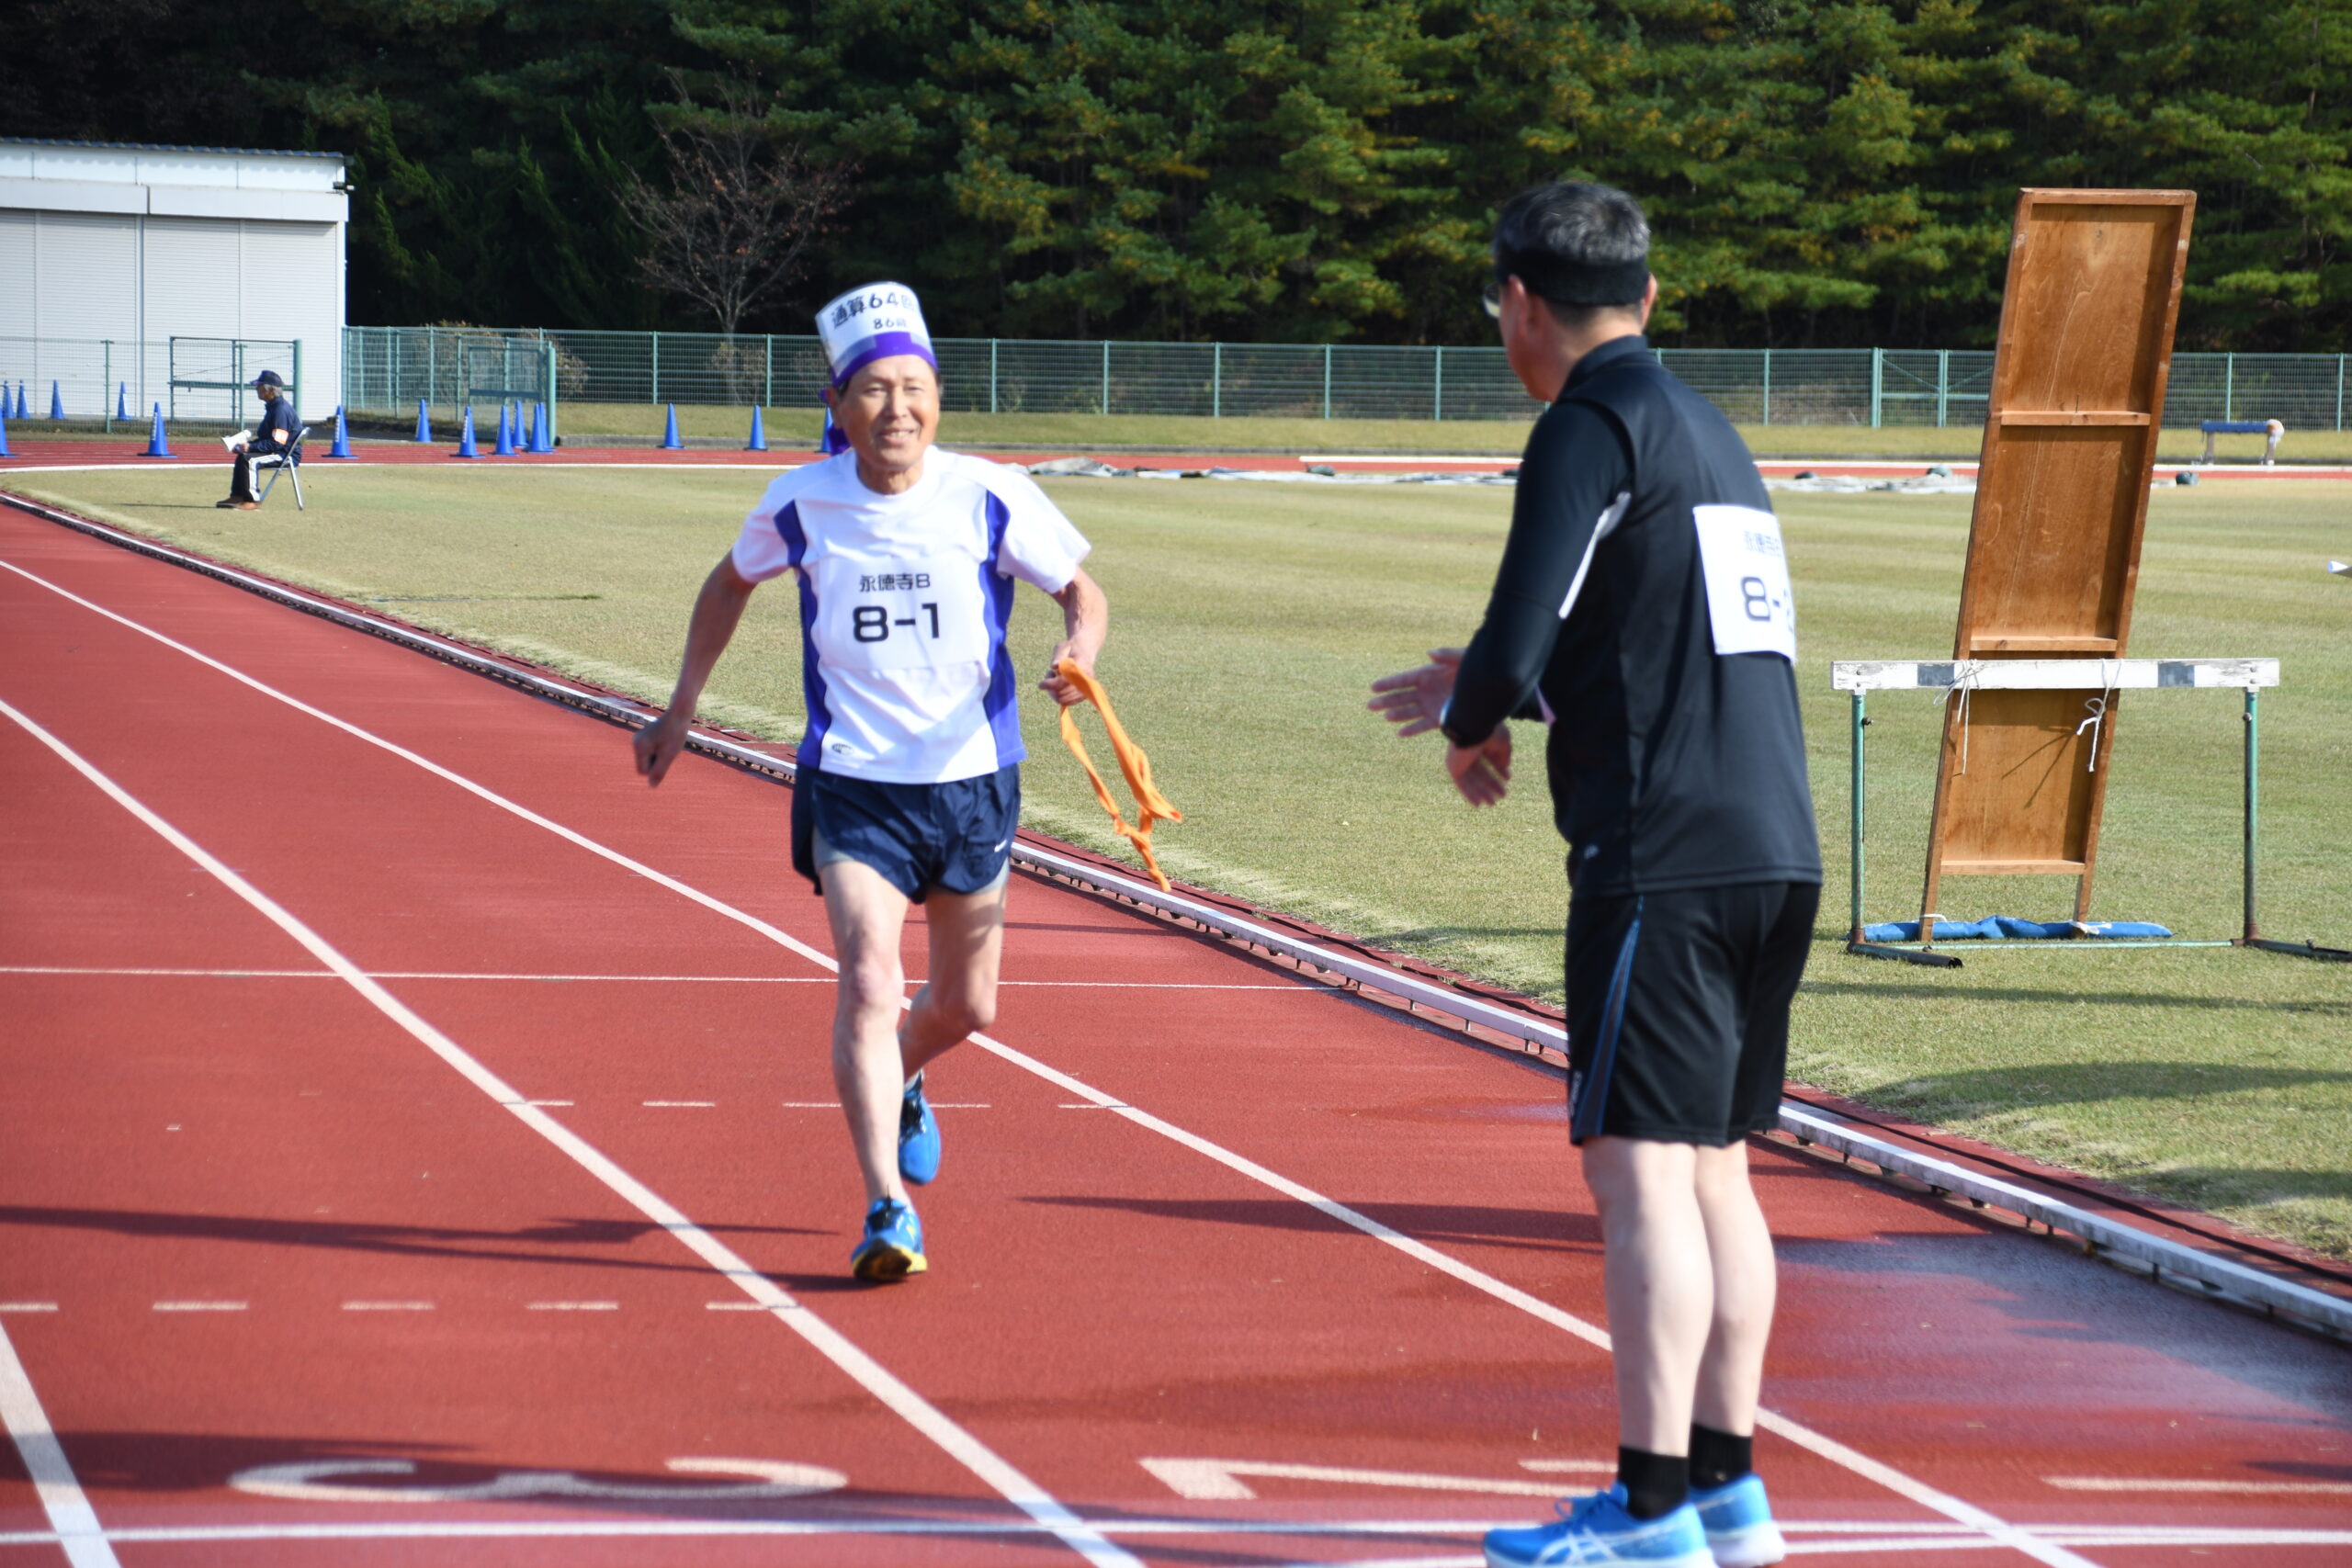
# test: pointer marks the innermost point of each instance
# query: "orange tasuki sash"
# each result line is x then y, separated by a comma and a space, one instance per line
1151, 807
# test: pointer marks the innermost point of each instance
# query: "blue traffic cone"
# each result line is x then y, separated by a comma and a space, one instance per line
56, 402
122, 402
4, 432
342, 448
22, 412
466, 436
759, 441
505, 446
423, 425
156, 445
669, 442
542, 438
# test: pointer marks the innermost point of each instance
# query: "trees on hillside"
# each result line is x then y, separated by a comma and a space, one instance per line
1307, 170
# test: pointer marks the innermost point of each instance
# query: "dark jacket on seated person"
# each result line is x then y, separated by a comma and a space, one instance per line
275, 429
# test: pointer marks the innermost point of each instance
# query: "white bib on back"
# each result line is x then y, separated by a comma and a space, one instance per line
1749, 604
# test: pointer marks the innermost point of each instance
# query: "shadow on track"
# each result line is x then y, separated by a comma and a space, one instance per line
534, 1244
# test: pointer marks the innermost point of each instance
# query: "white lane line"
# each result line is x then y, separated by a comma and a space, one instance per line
108, 972
1813, 1538
1828, 1448
387, 1306
679, 1104
196, 1306
917, 1411
550, 1104
71, 1518
1220, 1479
2248, 1488
574, 1306
28, 1306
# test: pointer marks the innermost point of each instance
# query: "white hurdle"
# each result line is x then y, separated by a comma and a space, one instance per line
1859, 677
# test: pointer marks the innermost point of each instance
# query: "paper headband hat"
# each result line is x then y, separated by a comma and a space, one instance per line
870, 324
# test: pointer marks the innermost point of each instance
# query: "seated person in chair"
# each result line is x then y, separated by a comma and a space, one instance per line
273, 433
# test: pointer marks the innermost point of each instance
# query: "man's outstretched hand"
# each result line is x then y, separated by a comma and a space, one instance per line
658, 743
1482, 772
1414, 700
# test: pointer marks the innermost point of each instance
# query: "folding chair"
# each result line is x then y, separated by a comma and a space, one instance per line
289, 463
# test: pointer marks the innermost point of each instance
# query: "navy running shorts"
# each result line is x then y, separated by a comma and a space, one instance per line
956, 835
1678, 1010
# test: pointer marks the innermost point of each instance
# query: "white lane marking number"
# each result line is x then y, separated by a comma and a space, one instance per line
1220, 1479
1750, 606
313, 1480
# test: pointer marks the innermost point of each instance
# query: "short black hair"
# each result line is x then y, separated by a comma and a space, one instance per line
1580, 247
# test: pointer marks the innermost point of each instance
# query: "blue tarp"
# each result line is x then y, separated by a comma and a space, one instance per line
2013, 928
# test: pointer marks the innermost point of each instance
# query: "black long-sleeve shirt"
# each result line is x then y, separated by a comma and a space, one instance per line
1672, 764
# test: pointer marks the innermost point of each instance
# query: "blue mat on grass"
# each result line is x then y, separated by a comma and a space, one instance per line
2014, 928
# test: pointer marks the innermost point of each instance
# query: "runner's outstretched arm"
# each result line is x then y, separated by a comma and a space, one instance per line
1086, 622
717, 608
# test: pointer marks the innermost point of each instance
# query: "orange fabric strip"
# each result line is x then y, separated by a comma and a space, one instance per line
1151, 807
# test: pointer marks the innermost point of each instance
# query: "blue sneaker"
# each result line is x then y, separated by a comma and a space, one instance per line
892, 1248
1598, 1530
1738, 1522
917, 1136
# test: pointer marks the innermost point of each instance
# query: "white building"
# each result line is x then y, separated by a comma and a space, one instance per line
110, 251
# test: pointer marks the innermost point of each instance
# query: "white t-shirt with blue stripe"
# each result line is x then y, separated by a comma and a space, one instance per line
903, 602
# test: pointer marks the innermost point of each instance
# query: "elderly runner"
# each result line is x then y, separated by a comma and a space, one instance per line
910, 785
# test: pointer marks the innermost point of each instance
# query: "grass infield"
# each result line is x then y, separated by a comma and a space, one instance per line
1248, 619
583, 423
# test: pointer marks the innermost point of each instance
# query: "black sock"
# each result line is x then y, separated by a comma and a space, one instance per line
1718, 1459
1654, 1485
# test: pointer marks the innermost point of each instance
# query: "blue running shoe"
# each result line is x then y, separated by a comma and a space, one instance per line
1738, 1522
1598, 1530
917, 1136
892, 1248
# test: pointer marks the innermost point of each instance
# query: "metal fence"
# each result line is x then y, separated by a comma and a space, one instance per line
123, 380
388, 370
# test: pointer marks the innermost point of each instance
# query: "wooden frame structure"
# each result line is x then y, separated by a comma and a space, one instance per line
2054, 546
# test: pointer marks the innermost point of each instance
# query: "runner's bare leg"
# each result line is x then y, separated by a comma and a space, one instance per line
1739, 1243
1660, 1283
867, 915
958, 997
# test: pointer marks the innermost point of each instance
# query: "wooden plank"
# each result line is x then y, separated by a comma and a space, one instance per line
2080, 367
2006, 645
2013, 867
2072, 416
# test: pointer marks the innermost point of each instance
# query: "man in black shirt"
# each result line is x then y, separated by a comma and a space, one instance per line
274, 433
1643, 611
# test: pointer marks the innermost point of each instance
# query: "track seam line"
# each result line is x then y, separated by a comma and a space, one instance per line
984, 1462
78, 1532
1818, 1443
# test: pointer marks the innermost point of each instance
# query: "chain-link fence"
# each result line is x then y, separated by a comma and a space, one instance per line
387, 371
120, 379
391, 369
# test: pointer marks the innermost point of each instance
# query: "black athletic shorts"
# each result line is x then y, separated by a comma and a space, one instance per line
956, 835
1678, 1010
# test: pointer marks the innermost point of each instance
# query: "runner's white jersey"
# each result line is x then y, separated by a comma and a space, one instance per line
903, 602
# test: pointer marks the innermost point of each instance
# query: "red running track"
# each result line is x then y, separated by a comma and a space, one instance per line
1227, 1267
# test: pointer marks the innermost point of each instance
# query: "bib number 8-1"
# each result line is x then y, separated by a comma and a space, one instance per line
872, 623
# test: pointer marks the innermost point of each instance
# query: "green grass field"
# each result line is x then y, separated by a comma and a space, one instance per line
701, 423
1031, 432
1248, 619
